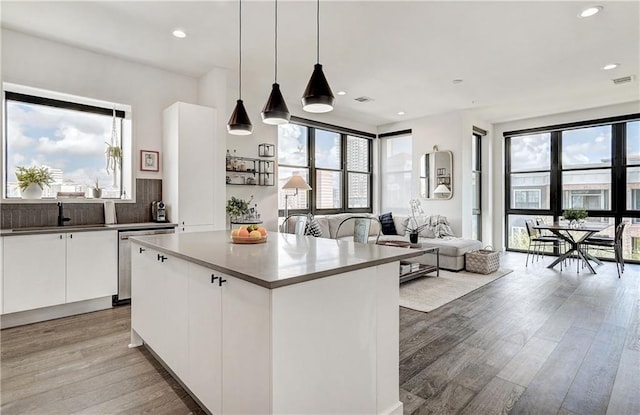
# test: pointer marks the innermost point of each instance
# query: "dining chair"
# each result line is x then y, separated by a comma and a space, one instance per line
294, 223
538, 241
607, 243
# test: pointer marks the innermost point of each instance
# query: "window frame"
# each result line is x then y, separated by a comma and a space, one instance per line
312, 127
35, 96
618, 207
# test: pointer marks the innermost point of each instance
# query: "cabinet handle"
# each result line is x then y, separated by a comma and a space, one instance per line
159, 257
213, 278
220, 281
60, 236
142, 250
71, 235
162, 258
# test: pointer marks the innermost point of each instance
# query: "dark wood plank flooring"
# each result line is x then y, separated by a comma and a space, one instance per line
535, 341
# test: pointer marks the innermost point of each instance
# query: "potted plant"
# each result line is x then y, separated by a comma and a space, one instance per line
412, 226
96, 190
575, 215
32, 180
238, 207
114, 157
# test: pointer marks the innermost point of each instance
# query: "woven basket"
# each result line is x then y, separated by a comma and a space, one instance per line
482, 261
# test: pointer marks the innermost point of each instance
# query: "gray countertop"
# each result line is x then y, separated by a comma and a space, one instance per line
283, 260
85, 228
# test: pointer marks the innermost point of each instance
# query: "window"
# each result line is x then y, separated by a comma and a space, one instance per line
592, 165
395, 173
67, 136
336, 165
476, 184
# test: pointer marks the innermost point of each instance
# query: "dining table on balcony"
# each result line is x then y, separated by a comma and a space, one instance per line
574, 236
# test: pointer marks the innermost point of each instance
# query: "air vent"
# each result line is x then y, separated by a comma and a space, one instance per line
363, 99
623, 80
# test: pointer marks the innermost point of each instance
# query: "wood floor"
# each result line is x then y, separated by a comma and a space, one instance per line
535, 341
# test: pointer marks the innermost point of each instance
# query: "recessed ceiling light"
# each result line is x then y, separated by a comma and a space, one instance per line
610, 66
342, 92
180, 34
457, 81
590, 11
401, 112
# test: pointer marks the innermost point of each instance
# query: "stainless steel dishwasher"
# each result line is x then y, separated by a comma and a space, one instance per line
124, 261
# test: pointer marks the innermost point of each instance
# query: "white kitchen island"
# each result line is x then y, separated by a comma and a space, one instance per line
295, 325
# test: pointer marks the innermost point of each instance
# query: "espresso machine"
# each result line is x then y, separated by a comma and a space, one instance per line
158, 211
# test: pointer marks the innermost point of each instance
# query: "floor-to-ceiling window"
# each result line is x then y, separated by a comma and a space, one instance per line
476, 184
335, 162
592, 165
395, 172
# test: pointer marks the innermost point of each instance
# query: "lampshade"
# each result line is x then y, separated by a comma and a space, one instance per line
441, 189
239, 123
317, 96
296, 182
275, 110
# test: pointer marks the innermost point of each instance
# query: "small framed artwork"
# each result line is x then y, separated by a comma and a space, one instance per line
441, 172
149, 160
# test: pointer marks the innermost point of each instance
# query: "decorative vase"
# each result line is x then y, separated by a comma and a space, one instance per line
32, 191
413, 238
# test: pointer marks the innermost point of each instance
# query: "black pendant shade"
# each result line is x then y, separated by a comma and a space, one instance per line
317, 97
275, 110
239, 123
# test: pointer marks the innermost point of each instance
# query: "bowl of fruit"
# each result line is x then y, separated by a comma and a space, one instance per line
249, 234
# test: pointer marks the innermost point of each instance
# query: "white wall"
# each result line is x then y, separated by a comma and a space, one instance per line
498, 152
44, 64
449, 132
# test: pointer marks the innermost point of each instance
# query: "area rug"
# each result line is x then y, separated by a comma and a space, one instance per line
428, 293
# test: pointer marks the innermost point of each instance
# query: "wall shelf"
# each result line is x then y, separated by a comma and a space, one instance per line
245, 171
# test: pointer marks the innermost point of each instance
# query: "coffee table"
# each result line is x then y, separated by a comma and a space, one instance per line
409, 269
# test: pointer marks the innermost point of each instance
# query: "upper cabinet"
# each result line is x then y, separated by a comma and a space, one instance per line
436, 175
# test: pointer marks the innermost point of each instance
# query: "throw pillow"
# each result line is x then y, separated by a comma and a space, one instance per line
388, 226
312, 227
441, 226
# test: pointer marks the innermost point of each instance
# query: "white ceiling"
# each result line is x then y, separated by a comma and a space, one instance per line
516, 59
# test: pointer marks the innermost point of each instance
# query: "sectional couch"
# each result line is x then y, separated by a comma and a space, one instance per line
452, 249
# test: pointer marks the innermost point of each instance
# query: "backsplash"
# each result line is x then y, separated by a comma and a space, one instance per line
25, 215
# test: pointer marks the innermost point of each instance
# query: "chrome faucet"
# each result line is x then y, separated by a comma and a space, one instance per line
61, 218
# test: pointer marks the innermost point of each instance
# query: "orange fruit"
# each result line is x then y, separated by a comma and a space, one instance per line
255, 234
234, 232
262, 231
243, 233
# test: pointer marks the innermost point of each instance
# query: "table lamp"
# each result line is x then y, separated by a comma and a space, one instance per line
295, 182
441, 190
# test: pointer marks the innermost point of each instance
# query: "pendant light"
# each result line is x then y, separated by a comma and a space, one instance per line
317, 96
275, 110
239, 123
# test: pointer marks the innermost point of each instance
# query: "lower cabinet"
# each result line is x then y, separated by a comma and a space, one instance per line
53, 269
211, 329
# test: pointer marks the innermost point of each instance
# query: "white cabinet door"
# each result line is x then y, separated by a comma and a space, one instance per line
175, 315
92, 265
34, 272
147, 294
246, 347
195, 195
205, 344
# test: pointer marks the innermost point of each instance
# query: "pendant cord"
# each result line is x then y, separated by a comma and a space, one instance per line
318, 31
240, 52
276, 37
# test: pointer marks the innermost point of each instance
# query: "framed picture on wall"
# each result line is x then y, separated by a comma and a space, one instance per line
149, 160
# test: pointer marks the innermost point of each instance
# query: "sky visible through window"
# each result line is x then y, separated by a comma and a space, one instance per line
70, 143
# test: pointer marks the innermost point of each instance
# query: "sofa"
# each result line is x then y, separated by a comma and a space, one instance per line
452, 249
